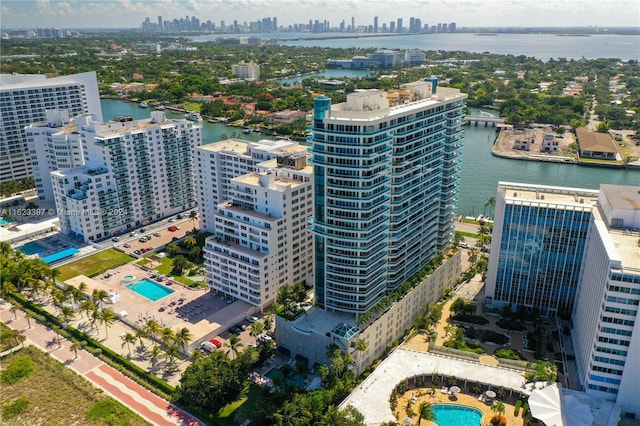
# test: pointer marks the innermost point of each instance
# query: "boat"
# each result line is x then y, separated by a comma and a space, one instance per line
247, 130
160, 108
143, 105
193, 116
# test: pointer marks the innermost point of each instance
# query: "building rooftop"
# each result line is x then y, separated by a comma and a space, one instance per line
241, 146
549, 194
371, 397
623, 197
595, 141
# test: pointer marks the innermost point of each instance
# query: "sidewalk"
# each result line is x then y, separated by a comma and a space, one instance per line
152, 408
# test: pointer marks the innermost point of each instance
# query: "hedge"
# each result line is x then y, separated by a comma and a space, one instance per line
151, 382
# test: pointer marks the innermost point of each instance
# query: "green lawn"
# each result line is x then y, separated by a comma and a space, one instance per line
56, 395
94, 265
165, 267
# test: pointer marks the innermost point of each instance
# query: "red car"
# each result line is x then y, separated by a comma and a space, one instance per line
216, 342
173, 229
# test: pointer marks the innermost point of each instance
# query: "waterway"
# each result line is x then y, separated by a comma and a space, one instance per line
328, 74
480, 171
541, 46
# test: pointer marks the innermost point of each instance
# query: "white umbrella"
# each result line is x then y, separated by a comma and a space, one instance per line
407, 421
454, 390
545, 405
574, 412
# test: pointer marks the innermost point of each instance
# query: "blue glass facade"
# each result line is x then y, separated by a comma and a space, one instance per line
386, 192
541, 253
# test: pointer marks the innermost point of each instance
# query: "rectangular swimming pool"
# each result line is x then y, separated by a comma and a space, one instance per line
150, 289
32, 248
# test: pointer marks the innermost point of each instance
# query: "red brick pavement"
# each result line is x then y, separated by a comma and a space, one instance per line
151, 407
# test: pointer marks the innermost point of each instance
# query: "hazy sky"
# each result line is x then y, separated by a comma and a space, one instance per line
484, 13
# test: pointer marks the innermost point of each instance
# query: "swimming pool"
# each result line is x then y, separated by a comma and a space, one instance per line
456, 415
4, 221
32, 248
150, 289
294, 377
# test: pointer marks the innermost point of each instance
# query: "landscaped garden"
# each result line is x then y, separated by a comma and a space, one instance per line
93, 265
32, 383
183, 262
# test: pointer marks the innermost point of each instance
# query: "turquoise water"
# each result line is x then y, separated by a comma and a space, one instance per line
294, 378
5, 221
32, 248
150, 289
456, 415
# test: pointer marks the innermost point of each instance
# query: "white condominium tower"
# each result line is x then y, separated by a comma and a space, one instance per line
135, 172
217, 163
386, 186
24, 100
606, 330
261, 241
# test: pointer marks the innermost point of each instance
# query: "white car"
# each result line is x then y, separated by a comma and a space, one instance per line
252, 319
463, 244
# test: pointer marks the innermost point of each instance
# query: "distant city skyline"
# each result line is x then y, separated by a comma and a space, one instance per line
466, 13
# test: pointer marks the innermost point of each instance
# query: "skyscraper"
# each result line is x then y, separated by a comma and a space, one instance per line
134, 173
375, 24
606, 330
24, 100
537, 246
385, 172
385, 177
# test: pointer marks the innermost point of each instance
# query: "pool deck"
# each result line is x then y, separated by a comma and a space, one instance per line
204, 314
371, 397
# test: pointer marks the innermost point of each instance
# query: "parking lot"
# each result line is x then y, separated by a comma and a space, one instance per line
155, 236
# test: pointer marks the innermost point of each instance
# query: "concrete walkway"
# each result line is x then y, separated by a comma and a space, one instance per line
152, 408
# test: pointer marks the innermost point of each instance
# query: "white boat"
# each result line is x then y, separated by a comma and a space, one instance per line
143, 104
194, 116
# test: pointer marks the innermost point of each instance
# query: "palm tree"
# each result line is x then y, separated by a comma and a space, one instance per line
268, 321
498, 407
14, 310
171, 354
107, 317
28, 316
193, 215
127, 339
426, 412
140, 333
66, 314
190, 241
74, 347
152, 328
234, 345
99, 297
154, 354
182, 337
172, 248
491, 203
16, 337
361, 346
256, 329
167, 335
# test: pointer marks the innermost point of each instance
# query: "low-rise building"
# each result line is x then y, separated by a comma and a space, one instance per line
596, 145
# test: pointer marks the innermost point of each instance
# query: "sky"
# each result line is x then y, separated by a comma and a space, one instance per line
472, 13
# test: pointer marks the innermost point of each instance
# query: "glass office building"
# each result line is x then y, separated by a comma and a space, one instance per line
538, 242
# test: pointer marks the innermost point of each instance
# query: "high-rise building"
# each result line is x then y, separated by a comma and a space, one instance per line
53, 146
400, 29
537, 246
385, 172
375, 24
385, 187
218, 163
261, 241
134, 173
24, 100
605, 322
246, 70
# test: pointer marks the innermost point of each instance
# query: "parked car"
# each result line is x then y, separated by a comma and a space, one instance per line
252, 319
142, 230
115, 239
156, 234
216, 342
235, 329
463, 244
126, 245
264, 337
179, 216
171, 220
172, 229
207, 347
143, 239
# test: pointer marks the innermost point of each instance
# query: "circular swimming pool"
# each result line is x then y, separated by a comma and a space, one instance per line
128, 278
457, 415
